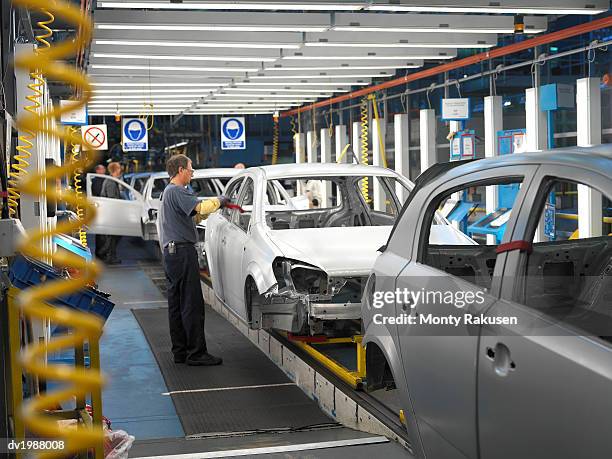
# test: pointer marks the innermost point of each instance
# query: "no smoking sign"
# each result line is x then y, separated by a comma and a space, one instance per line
94, 137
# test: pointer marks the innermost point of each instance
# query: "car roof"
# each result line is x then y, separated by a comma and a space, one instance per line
597, 159
279, 171
218, 172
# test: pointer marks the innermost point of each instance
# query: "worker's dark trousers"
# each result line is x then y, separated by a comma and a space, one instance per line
185, 302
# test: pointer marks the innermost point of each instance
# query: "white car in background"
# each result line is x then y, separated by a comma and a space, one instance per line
297, 260
135, 214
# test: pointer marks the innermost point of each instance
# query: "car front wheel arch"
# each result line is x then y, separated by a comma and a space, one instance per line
378, 369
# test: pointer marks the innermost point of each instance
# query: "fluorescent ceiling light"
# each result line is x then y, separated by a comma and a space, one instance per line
354, 58
173, 68
297, 96
197, 44
145, 96
321, 92
261, 100
343, 67
308, 83
141, 105
157, 85
507, 30
507, 7
182, 57
144, 91
240, 5
305, 77
334, 44
213, 27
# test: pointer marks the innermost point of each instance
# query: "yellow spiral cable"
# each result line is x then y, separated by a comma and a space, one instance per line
275, 141
364, 147
19, 168
33, 301
381, 144
78, 187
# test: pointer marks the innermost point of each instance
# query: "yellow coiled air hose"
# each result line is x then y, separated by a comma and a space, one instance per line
19, 167
78, 185
381, 144
275, 141
364, 147
34, 301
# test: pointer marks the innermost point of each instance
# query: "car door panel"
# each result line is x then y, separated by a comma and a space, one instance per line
553, 386
549, 393
216, 243
119, 217
440, 363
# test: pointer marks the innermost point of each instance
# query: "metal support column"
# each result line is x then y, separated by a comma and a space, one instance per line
428, 138
356, 139
341, 141
537, 132
588, 111
311, 148
299, 143
536, 137
493, 122
402, 152
326, 157
378, 142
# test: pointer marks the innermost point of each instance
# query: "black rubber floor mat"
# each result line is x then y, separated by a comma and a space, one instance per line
236, 410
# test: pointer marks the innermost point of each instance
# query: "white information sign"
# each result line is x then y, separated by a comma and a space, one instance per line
134, 135
94, 137
455, 109
76, 115
233, 133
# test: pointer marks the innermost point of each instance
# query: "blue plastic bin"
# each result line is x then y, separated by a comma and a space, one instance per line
26, 272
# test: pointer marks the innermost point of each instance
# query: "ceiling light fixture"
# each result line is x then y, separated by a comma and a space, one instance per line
367, 57
212, 27
197, 44
182, 57
265, 6
174, 68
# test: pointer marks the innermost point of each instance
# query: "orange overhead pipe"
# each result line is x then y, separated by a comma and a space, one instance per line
475, 59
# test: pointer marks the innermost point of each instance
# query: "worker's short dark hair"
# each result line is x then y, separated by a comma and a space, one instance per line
114, 167
175, 162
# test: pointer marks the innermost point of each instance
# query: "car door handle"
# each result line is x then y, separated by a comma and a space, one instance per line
501, 358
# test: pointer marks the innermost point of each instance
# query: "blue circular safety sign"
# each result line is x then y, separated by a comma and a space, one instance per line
233, 128
134, 130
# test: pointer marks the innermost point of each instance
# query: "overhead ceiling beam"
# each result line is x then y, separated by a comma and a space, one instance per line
433, 23
399, 40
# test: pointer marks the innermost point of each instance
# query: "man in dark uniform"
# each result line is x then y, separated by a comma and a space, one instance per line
110, 189
96, 189
179, 211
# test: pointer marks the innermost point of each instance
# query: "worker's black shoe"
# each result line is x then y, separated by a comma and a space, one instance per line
179, 359
204, 360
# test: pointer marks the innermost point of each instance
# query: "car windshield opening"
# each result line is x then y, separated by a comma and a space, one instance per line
332, 201
201, 187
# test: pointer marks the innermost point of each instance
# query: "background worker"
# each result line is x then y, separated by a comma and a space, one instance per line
110, 189
179, 212
96, 189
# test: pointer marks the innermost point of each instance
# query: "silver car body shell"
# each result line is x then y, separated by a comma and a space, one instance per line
589, 166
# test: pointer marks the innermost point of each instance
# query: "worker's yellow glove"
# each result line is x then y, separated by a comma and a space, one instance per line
205, 208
